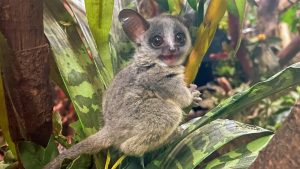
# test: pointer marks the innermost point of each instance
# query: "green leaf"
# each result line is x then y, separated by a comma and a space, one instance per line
291, 18
83, 161
9, 157
232, 8
175, 6
4, 166
34, 156
99, 15
198, 145
31, 155
200, 12
237, 7
284, 79
79, 74
79, 14
51, 150
193, 4
241, 6
242, 157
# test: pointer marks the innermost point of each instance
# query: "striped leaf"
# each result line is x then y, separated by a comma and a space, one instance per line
78, 72
99, 16
198, 145
241, 157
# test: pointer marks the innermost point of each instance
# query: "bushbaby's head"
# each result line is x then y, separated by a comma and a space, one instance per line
163, 38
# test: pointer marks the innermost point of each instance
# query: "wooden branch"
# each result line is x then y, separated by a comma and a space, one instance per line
267, 15
289, 52
283, 151
26, 69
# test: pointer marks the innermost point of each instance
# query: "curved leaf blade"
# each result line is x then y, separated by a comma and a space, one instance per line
284, 79
31, 155
80, 16
77, 70
193, 3
242, 157
195, 147
34, 156
99, 15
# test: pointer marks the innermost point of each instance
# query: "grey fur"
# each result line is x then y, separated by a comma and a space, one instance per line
142, 108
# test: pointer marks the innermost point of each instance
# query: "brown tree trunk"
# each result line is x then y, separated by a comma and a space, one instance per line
283, 150
26, 70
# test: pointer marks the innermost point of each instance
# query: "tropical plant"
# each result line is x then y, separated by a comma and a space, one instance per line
81, 50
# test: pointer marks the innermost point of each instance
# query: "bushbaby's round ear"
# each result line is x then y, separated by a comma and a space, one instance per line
134, 25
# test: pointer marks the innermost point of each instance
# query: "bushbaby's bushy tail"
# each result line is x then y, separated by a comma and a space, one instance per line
90, 145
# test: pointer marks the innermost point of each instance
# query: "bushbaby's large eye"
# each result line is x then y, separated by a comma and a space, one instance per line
180, 38
156, 41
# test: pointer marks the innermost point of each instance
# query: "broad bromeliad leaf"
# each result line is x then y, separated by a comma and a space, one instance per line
241, 157
287, 78
99, 15
284, 79
34, 156
195, 147
78, 72
206, 31
79, 13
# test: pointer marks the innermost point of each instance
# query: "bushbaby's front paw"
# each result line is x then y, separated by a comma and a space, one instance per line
196, 95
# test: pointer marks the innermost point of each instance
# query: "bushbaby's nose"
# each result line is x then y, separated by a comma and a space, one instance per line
172, 49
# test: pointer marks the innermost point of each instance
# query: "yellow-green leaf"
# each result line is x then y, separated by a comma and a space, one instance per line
99, 15
206, 32
4, 124
175, 6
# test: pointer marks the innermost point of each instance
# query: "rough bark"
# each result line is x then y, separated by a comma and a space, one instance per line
283, 151
26, 70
